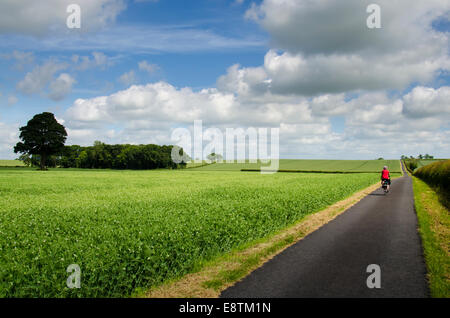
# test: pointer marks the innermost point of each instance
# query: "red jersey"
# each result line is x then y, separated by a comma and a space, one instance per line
385, 174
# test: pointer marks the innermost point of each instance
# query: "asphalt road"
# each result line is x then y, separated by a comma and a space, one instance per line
332, 261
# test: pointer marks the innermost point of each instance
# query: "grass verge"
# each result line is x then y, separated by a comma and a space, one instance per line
213, 277
434, 228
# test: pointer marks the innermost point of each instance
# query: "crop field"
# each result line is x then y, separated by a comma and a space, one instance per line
425, 162
11, 163
195, 164
313, 165
130, 230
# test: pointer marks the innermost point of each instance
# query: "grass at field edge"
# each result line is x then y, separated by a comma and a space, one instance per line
434, 225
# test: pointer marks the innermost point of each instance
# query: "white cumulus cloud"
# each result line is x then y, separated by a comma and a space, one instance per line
428, 102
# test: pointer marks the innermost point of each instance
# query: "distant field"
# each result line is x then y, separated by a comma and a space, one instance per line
313, 165
194, 164
11, 163
424, 162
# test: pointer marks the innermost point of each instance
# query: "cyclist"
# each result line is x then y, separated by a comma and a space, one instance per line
386, 176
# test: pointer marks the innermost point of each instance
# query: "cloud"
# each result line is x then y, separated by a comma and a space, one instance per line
128, 78
98, 59
138, 39
244, 81
147, 67
318, 74
329, 49
21, 58
38, 18
61, 86
424, 102
330, 105
42, 78
162, 102
321, 73
374, 122
151, 102
36, 80
339, 27
287, 73
12, 100
9, 136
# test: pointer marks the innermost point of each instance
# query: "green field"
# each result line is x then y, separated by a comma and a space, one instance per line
11, 163
425, 162
195, 164
129, 230
313, 165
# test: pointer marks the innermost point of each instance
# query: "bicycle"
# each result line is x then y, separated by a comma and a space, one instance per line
385, 186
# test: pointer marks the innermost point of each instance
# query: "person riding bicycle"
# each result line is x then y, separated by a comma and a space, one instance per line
386, 176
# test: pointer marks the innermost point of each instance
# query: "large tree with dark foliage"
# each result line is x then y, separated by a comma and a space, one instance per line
42, 136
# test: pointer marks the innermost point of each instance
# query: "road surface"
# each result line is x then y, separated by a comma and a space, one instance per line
332, 261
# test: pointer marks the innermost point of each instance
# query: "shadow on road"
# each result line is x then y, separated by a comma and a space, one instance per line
378, 194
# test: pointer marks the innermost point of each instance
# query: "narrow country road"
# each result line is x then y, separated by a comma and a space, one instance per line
332, 261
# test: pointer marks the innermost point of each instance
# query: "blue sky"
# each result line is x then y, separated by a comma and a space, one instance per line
196, 67
138, 69
181, 66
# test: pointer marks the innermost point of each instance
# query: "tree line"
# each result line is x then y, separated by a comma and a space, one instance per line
42, 144
104, 156
420, 157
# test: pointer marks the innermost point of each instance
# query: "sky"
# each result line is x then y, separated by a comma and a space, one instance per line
136, 70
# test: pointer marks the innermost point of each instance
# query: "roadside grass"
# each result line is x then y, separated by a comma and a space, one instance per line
434, 228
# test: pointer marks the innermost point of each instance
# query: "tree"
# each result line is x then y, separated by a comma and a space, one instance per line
42, 136
25, 158
214, 157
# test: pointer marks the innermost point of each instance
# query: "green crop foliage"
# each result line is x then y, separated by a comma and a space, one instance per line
11, 163
131, 230
313, 165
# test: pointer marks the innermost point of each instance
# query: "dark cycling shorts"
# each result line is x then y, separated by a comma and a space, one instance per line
388, 180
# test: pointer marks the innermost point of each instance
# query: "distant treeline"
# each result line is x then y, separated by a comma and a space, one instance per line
411, 164
103, 156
